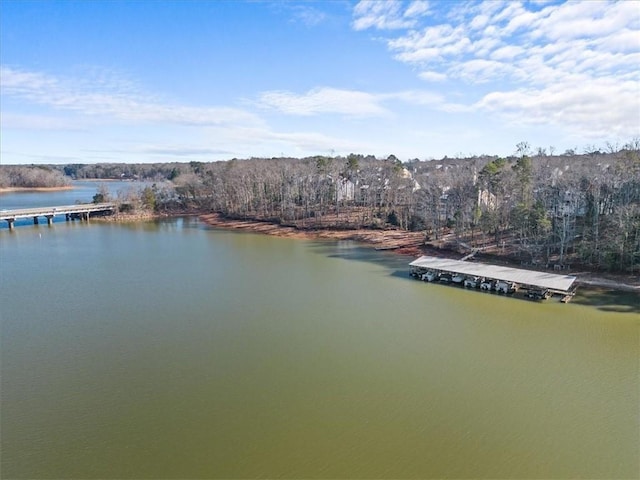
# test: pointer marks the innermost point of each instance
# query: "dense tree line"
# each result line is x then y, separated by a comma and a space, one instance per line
541, 209
47, 175
125, 171
32, 177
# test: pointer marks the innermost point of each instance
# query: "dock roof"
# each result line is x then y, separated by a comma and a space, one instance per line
532, 278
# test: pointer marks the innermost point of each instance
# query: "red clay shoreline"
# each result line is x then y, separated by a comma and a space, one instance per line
404, 243
398, 241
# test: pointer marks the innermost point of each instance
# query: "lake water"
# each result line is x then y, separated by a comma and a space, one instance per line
82, 192
172, 350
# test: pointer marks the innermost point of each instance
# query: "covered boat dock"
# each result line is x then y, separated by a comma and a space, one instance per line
530, 280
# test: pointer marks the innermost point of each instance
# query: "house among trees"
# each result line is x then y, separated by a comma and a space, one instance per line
541, 209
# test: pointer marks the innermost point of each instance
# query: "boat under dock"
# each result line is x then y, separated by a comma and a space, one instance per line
529, 280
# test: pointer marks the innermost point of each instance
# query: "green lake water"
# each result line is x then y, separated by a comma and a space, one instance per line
172, 350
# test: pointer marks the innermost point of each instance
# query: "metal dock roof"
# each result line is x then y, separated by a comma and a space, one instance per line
532, 278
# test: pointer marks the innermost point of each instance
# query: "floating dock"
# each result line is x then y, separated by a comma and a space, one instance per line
530, 280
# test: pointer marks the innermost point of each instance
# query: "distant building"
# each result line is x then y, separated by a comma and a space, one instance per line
345, 190
487, 199
572, 203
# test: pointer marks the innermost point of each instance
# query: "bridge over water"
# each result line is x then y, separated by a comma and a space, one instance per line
81, 211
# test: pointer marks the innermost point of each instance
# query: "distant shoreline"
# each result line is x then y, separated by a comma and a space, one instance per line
398, 241
100, 180
59, 189
34, 189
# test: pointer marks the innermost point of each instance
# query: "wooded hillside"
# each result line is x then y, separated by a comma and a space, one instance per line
32, 177
541, 210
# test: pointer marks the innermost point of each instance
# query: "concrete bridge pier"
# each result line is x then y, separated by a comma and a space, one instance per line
80, 212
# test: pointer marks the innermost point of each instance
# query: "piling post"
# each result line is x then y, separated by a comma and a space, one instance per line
49, 220
35, 220
10, 222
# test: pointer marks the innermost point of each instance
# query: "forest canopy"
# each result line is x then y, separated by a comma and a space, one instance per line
540, 209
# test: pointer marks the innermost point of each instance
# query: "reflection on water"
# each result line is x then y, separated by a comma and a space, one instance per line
171, 350
609, 300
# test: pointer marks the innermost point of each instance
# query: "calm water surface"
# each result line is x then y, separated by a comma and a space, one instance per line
170, 350
82, 192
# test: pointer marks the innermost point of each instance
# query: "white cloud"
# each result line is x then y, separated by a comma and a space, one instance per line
39, 122
483, 47
115, 120
322, 101
587, 19
415, 97
523, 20
508, 52
510, 11
109, 99
172, 150
624, 40
307, 14
479, 22
432, 76
572, 65
263, 141
417, 8
434, 43
593, 108
314, 142
349, 103
480, 70
386, 14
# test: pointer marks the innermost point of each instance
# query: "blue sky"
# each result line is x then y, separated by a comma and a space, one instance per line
195, 80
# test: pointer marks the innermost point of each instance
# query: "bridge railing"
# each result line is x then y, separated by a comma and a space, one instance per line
49, 213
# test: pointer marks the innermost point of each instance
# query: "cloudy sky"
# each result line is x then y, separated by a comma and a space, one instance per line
159, 81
